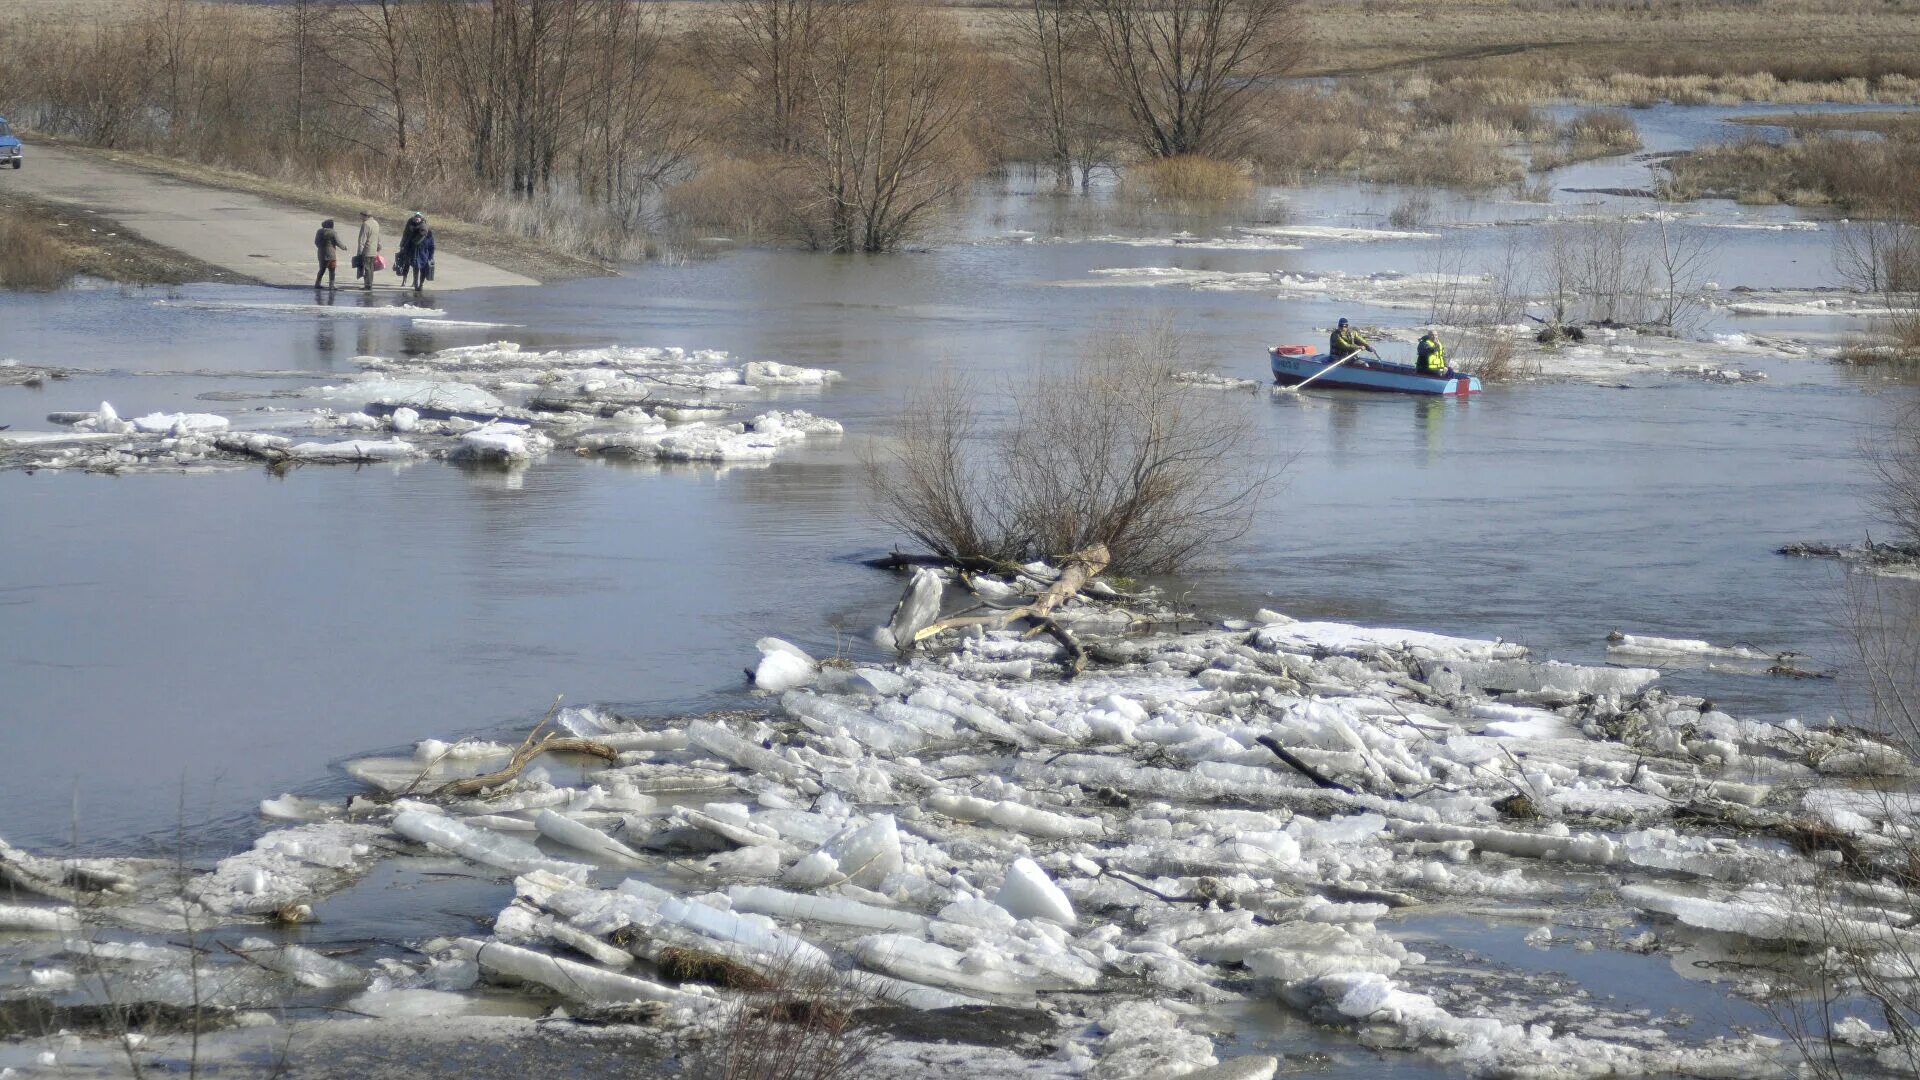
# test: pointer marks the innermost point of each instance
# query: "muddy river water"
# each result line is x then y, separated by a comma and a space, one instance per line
177, 647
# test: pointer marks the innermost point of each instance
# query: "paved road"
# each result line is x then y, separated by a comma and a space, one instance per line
260, 238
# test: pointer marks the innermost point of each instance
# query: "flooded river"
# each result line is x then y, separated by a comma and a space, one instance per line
180, 646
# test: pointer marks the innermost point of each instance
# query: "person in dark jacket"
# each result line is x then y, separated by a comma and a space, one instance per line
325, 243
422, 262
409, 236
416, 251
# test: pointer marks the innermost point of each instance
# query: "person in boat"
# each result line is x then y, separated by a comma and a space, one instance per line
1345, 342
1430, 357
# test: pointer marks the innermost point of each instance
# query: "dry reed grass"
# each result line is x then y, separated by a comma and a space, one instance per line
1187, 178
1594, 133
32, 258
793, 1022
1858, 175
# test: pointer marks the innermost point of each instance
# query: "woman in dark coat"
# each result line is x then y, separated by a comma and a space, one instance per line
416, 251
326, 242
422, 263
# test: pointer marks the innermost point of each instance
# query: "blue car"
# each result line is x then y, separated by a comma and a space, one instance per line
10, 146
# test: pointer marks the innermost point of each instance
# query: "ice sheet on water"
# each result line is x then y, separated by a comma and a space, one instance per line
502, 443
1340, 637
1477, 675
782, 666
1337, 232
827, 909
562, 829
178, 423
571, 979
1189, 241
865, 853
417, 394
1641, 645
353, 451
330, 311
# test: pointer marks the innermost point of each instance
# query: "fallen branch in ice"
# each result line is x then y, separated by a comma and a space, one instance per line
1319, 778
1076, 571
531, 747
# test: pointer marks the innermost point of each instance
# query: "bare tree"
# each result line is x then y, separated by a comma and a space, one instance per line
770, 44
1060, 111
1108, 449
634, 132
297, 39
882, 137
1681, 257
371, 68
1184, 72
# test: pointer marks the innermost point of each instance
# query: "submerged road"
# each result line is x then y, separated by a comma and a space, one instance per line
269, 241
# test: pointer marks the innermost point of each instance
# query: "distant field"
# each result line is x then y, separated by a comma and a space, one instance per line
1813, 39
1885, 123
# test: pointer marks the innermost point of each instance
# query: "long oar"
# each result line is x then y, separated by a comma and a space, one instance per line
1304, 383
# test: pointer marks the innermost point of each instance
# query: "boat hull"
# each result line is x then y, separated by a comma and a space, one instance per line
1292, 369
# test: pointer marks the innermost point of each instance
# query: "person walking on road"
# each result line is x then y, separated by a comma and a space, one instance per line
423, 258
416, 251
326, 241
368, 247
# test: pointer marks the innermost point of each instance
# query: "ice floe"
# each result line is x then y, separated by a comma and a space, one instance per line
1125, 845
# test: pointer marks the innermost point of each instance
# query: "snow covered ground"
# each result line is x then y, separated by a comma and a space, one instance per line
1115, 856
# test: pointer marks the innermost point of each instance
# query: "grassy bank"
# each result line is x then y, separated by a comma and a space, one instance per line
45, 245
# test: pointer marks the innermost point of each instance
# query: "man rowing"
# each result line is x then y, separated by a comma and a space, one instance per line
1345, 342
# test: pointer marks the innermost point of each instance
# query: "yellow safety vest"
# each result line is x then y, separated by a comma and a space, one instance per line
1435, 360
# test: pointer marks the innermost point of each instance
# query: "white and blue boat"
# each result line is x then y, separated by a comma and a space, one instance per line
1295, 364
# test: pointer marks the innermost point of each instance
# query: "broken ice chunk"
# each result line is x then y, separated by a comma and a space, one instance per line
863, 854
918, 607
782, 666
1028, 893
487, 848
562, 829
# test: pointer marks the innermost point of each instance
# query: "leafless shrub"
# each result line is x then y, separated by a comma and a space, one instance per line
1484, 302
1411, 213
31, 257
1594, 133
1107, 449
1188, 178
747, 200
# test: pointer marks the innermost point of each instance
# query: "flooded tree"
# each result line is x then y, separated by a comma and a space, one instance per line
1061, 120
1183, 74
882, 139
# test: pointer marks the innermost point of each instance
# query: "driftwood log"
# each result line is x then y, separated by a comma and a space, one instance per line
531, 747
1076, 570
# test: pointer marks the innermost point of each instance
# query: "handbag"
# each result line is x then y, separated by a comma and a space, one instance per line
429, 271
379, 262
356, 263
